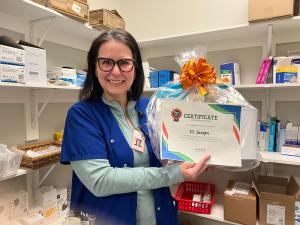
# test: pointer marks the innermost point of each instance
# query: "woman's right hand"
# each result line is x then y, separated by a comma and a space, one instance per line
191, 171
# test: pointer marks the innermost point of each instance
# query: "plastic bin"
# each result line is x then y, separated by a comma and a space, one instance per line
186, 192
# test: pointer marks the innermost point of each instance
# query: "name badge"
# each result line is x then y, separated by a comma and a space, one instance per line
138, 141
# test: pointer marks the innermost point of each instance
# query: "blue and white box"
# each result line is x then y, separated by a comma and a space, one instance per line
154, 79
11, 55
12, 64
165, 76
231, 71
286, 69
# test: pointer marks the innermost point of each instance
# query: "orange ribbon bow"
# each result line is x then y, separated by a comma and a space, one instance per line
197, 74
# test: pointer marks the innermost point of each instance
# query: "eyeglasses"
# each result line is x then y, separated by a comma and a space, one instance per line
107, 64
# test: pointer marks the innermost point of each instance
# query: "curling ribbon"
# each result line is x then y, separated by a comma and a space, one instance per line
197, 74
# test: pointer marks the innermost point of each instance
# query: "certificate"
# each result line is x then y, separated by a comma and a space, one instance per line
190, 130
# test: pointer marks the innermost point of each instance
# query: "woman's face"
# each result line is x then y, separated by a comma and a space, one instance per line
115, 69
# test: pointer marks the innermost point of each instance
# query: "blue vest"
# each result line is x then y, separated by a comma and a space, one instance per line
92, 132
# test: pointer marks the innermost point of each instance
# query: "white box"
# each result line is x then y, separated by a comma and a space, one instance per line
62, 201
35, 66
56, 73
35, 209
46, 198
12, 73
6, 213
35, 219
11, 55
19, 203
293, 150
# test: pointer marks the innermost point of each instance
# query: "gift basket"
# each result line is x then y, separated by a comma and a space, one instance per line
198, 84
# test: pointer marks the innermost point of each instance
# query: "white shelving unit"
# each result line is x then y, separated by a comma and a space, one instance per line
32, 18
21, 171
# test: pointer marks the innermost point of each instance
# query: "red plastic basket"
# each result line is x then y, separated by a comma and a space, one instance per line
185, 193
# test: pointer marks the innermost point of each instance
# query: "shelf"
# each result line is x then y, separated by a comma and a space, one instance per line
252, 86
277, 157
21, 171
265, 86
239, 31
217, 212
25, 86
64, 30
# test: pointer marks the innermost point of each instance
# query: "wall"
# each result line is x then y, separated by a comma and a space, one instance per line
152, 19
107, 4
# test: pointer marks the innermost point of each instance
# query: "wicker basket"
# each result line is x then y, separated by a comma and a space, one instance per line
105, 19
40, 161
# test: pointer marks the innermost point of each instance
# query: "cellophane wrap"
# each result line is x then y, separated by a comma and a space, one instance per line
213, 92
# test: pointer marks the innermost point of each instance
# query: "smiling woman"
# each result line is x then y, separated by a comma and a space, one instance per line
116, 174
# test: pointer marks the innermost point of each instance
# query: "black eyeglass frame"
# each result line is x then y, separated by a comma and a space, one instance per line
114, 63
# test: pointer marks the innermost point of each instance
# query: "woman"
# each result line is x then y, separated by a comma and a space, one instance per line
116, 174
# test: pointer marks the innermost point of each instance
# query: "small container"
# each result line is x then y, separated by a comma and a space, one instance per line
187, 201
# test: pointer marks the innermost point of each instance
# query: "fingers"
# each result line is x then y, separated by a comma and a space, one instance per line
191, 171
201, 165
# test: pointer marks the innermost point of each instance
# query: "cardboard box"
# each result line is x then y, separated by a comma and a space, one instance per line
240, 203
268, 9
75, 9
106, 19
276, 199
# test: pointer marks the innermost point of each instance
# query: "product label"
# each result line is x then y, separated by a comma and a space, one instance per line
76, 8
240, 188
275, 214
